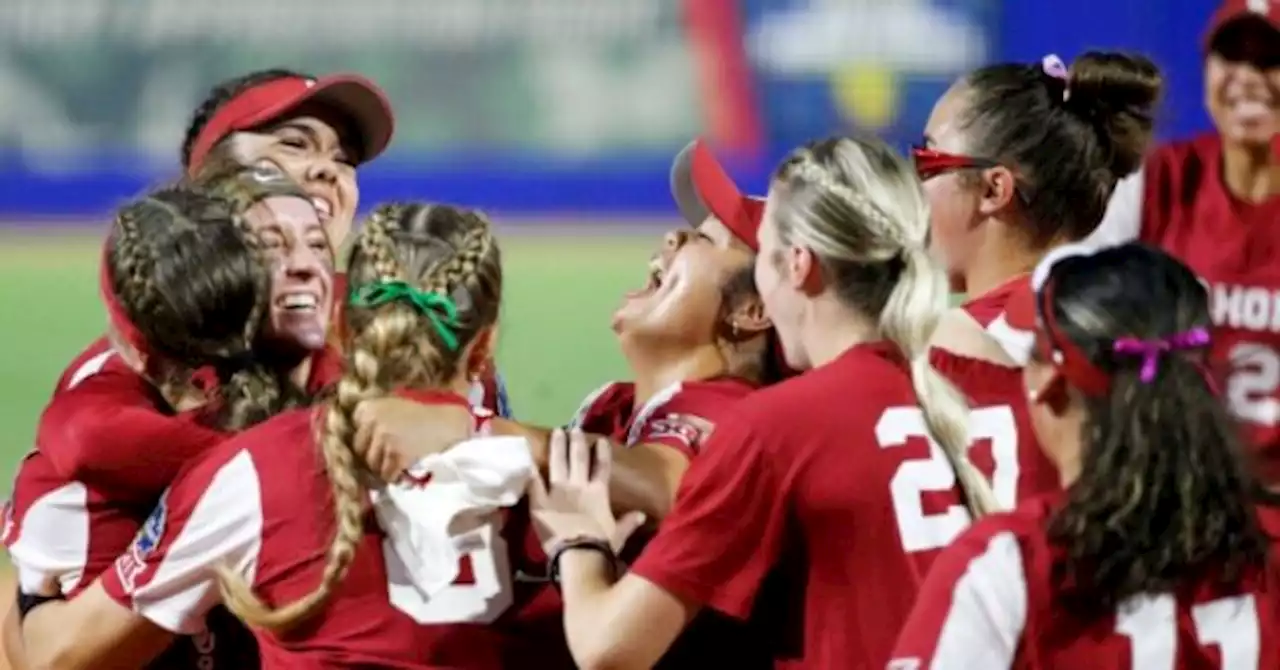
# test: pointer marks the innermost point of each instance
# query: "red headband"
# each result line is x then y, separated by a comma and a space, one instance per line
115, 312
1055, 347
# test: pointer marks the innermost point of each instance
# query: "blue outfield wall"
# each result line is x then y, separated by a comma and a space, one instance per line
636, 184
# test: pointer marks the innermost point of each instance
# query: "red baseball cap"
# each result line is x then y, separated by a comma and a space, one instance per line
354, 97
1231, 11
702, 188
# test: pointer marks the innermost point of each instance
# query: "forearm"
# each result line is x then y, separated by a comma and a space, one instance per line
90, 631
14, 651
131, 453
595, 639
644, 477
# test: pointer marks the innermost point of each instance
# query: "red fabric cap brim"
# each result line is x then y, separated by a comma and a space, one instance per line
358, 100
703, 188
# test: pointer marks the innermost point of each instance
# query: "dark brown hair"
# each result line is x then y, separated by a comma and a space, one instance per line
1162, 497
187, 270
1068, 142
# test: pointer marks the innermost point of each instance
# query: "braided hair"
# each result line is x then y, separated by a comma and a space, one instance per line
860, 208
187, 272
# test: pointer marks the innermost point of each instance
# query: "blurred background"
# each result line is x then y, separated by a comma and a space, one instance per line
559, 117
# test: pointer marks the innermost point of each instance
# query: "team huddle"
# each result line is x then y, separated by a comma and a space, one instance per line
818, 462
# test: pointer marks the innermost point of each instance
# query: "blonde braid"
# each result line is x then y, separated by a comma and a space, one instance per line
361, 381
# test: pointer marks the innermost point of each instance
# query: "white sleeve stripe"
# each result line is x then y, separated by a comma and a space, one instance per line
1123, 220
1016, 343
89, 368
224, 528
988, 610
53, 539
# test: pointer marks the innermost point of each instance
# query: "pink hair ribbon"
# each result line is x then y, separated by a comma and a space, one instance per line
1151, 350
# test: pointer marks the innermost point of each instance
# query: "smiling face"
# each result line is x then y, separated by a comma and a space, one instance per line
683, 299
301, 273
1242, 82
310, 150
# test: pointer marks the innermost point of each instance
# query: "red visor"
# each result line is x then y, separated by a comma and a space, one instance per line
359, 100
702, 188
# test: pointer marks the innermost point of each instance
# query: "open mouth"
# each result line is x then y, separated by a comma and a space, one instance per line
653, 281
304, 302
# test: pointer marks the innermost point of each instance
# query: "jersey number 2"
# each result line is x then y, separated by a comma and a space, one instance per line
481, 601
1251, 388
921, 531
1151, 624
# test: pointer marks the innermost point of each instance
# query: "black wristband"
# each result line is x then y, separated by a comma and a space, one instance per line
592, 543
28, 601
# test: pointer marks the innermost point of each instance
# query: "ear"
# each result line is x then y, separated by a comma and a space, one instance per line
999, 190
804, 270
748, 318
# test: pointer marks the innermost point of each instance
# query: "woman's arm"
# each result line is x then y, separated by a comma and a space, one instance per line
107, 433
90, 631
13, 651
722, 538
166, 582
392, 433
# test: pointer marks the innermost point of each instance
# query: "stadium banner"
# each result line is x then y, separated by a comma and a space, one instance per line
525, 106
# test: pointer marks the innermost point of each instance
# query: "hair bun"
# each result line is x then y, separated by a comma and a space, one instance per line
1117, 93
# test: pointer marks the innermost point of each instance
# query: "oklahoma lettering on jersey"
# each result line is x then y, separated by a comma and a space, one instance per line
1005, 447
1178, 202
991, 602
261, 505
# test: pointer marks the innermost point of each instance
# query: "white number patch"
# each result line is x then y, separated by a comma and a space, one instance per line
924, 532
1151, 624
1251, 388
482, 601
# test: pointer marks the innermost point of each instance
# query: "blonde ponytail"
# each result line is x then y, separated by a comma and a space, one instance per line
912, 312
861, 208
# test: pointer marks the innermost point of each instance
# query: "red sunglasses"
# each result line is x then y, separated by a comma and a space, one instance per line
931, 163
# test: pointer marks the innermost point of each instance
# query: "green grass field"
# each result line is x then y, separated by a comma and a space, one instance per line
50, 311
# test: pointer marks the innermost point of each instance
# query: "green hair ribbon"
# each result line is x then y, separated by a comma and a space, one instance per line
440, 309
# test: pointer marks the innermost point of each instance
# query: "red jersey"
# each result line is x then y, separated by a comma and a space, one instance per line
991, 602
1005, 448
680, 416
826, 483
261, 504
72, 529
1179, 203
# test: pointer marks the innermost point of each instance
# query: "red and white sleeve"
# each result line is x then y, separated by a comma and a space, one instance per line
972, 608
212, 516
